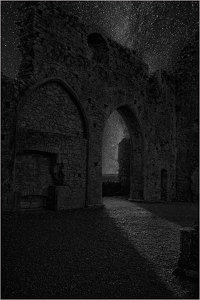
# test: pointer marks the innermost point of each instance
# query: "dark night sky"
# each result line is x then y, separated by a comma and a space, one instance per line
156, 29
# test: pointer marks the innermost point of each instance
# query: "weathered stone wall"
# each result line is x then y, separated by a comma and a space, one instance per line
49, 122
161, 147
62, 57
187, 119
9, 100
33, 178
124, 153
189, 249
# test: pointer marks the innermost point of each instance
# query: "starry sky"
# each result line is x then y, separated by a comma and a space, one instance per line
157, 30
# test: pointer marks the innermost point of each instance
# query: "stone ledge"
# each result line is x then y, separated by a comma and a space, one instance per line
188, 263
144, 201
94, 206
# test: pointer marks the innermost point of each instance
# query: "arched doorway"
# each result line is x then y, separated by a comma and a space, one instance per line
115, 157
51, 154
127, 155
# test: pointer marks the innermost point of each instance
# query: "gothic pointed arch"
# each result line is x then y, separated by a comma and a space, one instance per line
52, 146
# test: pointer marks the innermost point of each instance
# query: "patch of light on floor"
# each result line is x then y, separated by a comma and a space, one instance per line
155, 238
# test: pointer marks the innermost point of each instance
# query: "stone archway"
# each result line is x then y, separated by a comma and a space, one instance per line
136, 152
52, 148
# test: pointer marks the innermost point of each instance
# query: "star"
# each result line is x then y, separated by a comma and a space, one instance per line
157, 30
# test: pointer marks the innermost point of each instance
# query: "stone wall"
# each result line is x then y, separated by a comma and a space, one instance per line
188, 261
72, 77
33, 178
124, 153
9, 101
49, 122
187, 119
161, 129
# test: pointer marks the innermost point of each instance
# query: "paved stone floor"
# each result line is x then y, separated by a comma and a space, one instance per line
124, 250
153, 229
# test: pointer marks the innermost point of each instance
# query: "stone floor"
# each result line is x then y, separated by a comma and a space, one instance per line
124, 250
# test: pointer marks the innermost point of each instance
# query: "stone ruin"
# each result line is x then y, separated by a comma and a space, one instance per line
124, 153
188, 262
71, 78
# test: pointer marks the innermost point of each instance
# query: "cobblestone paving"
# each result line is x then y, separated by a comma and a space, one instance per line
125, 250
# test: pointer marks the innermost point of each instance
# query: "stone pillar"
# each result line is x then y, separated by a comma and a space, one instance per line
124, 165
188, 263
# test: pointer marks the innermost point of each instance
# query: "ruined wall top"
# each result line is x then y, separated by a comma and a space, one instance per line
48, 33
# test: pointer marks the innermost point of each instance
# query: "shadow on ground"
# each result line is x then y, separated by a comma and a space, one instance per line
181, 213
73, 254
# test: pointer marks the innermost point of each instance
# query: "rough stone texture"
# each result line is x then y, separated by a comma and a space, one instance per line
9, 98
50, 124
33, 179
195, 184
189, 251
164, 180
72, 77
124, 152
187, 118
125, 251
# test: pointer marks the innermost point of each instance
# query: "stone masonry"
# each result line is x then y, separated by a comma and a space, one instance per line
187, 121
124, 165
71, 78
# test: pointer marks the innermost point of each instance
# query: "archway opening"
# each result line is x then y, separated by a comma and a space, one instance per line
116, 151
124, 123
99, 48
